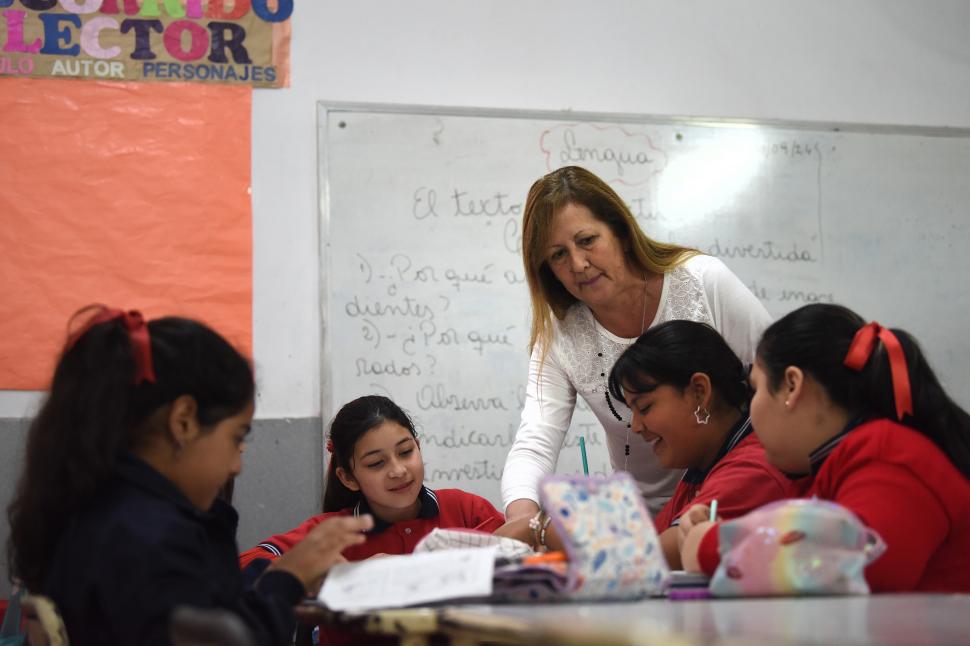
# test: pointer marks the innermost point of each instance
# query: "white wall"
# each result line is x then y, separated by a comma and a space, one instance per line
868, 61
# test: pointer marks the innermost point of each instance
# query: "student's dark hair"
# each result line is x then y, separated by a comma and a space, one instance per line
348, 426
95, 412
670, 353
816, 338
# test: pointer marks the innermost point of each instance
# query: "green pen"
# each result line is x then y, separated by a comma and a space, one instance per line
582, 450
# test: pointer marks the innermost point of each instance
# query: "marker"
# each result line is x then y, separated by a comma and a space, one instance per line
714, 510
582, 450
687, 594
546, 557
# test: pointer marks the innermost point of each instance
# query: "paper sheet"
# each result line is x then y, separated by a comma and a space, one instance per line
451, 539
397, 581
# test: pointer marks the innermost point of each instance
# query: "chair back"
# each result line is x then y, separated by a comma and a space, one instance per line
45, 626
191, 626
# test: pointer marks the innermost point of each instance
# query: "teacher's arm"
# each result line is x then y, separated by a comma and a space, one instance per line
548, 409
521, 508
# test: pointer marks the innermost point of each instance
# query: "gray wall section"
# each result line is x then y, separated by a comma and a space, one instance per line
282, 480
280, 486
13, 435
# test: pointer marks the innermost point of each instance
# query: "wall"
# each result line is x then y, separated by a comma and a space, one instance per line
868, 61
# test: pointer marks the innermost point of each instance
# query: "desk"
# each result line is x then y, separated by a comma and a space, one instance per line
942, 620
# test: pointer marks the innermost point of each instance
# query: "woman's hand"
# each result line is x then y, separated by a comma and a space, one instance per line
518, 529
320, 550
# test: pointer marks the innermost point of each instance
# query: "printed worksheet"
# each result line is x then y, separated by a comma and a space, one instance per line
412, 579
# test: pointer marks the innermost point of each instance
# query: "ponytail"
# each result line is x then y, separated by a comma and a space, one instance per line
336, 496
348, 426
100, 406
817, 339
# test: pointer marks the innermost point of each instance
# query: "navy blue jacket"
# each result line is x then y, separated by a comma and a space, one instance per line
141, 549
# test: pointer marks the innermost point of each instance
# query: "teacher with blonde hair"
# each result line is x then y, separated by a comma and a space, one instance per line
597, 282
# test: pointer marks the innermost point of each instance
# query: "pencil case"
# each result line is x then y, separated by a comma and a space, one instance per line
795, 547
612, 546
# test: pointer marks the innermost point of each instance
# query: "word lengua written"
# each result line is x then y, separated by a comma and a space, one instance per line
222, 41
619, 155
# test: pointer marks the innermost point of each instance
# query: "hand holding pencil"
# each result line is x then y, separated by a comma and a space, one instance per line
696, 515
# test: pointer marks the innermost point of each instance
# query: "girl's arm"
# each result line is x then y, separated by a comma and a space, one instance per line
892, 500
695, 553
888, 498
276, 546
313, 557
671, 547
484, 517
695, 525
179, 569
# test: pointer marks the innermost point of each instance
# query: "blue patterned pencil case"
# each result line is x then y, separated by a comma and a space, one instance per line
613, 548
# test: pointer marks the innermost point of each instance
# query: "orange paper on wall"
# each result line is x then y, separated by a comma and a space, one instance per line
136, 195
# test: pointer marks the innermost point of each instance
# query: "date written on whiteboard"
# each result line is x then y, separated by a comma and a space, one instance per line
791, 148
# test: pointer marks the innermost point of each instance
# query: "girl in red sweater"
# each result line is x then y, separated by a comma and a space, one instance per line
857, 407
689, 396
376, 468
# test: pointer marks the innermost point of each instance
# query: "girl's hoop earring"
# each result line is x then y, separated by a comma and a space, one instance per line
697, 415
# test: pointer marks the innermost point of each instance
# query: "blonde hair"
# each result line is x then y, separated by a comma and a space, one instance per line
575, 185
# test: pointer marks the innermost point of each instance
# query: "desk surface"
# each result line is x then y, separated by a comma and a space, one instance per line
879, 619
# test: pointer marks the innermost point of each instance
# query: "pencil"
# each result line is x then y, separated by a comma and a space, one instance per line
714, 510
582, 450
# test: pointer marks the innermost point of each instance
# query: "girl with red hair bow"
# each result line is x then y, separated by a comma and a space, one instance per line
857, 407
117, 516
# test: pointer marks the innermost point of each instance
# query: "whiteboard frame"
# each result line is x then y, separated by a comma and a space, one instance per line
324, 108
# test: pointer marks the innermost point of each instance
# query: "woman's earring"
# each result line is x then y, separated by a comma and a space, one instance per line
787, 403
697, 415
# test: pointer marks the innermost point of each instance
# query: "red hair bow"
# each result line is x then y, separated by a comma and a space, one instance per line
134, 322
329, 445
861, 349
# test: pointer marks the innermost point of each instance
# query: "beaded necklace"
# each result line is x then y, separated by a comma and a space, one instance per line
606, 390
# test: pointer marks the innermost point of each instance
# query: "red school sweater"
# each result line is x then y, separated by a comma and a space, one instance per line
740, 480
903, 486
444, 508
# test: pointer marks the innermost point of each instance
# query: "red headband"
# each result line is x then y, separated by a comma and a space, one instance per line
141, 344
861, 349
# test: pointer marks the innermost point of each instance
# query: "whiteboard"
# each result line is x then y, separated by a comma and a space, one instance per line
424, 296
